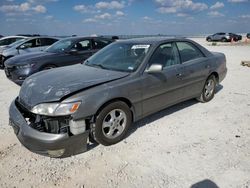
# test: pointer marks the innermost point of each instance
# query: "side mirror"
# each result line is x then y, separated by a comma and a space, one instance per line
154, 68
22, 47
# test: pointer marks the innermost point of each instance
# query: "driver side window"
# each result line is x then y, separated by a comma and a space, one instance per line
82, 45
32, 43
165, 55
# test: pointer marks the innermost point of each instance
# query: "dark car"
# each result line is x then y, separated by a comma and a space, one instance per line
57, 110
223, 37
235, 37
248, 35
67, 51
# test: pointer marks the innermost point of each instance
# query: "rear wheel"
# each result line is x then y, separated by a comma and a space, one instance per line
112, 123
208, 90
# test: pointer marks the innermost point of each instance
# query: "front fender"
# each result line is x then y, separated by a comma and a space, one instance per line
93, 99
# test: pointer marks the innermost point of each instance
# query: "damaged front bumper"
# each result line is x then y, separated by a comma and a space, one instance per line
62, 144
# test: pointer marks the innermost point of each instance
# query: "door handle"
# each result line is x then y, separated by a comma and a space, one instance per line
207, 66
179, 75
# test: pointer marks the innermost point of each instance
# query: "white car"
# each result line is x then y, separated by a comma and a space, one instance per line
10, 39
23, 46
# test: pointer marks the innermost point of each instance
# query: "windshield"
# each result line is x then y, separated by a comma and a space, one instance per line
7, 41
60, 46
125, 57
17, 42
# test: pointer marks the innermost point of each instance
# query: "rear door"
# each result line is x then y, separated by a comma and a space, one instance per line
46, 42
163, 89
195, 66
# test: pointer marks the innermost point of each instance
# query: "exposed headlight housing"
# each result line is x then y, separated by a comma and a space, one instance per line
25, 66
56, 109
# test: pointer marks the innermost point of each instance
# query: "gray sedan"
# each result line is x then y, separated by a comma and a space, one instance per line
57, 110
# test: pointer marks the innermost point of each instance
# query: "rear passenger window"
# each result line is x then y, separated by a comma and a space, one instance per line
82, 45
99, 44
188, 51
48, 41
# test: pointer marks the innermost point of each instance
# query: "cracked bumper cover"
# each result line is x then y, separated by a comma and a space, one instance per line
43, 143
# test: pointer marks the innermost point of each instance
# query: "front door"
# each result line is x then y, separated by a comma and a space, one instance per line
166, 87
83, 51
33, 45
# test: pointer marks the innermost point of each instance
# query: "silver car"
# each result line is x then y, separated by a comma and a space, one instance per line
59, 109
25, 46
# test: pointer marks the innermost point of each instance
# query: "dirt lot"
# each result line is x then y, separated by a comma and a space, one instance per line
178, 147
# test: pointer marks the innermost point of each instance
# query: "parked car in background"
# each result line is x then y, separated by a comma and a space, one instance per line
235, 37
248, 35
58, 109
25, 46
10, 39
67, 51
223, 37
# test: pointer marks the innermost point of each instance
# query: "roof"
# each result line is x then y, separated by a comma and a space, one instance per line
150, 40
15, 36
87, 37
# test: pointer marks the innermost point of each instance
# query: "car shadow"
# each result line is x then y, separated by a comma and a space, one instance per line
205, 184
219, 87
168, 111
158, 115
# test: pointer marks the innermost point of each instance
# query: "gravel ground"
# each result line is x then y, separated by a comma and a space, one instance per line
188, 145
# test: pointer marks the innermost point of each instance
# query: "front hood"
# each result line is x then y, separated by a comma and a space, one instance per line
29, 58
53, 85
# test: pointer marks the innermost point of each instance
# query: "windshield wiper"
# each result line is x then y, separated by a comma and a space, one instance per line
97, 65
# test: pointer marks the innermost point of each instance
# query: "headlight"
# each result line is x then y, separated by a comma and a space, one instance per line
56, 109
24, 66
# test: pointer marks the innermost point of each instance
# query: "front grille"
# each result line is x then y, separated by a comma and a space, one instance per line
8, 71
55, 125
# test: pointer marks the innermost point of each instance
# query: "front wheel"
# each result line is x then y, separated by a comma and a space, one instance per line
112, 123
224, 40
208, 90
47, 67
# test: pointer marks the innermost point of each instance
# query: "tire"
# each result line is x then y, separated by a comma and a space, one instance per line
2, 63
208, 90
112, 123
47, 67
209, 40
224, 40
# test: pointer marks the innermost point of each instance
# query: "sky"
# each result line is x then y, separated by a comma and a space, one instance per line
123, 17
